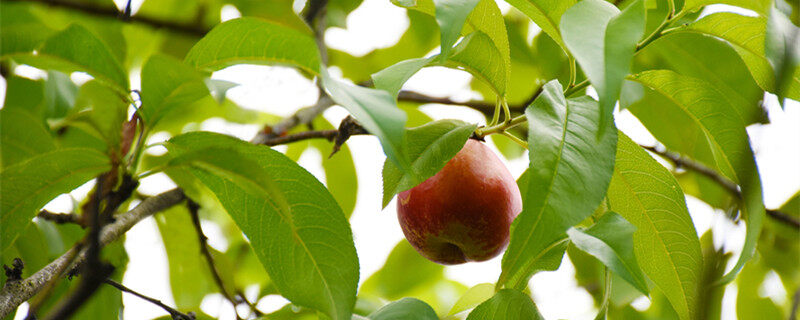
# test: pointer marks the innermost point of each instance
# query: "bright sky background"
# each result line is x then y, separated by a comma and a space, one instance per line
376, 24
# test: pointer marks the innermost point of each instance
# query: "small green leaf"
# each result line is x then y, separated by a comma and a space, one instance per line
729, 142
430, 146
473, 297
21, 31
508, 304
22, 136
392, 78
603, 41
252, 40
546, 14
478, 55
610, 240
665, 242
404, 272
59, 94
566, 159
406, 308
451, 15
77, 49
376, 110
104, 110
294, 225
27, 186
168, 84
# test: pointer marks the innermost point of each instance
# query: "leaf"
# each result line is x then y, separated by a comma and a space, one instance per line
104, 110
377, 112
430, 146
749, 303
22, 136
77, 49
294, 225
782, 50
507, 304
451, 15
729, 143
59, 94
168, 84
665, 242
473, 297
392, 78
610, 240
546, 14
603, 41
189, 276
747, 36
566, 160
252, 40
406, 308
759, 6
27, 186
477, 55
20, 29
712, 60
402, 274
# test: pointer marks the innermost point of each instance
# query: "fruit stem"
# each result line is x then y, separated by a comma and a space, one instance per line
515, 139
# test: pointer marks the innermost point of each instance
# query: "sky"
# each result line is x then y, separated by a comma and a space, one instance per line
376, 24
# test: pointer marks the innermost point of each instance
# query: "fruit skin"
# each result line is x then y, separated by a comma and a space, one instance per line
464, 212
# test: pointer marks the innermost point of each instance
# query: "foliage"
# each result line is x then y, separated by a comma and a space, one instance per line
116, 86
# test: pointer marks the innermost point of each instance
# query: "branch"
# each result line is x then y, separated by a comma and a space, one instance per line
111, 12
61, 218
201, 237
14, 293
725, 183
175, 314
302, 116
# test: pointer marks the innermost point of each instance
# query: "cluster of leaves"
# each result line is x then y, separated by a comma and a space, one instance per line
590, 191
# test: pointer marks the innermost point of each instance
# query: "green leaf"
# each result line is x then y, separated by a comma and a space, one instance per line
404, 271
749, 303
566, 159
189, 276
610, 240
376, 110
406, 308
759, 6
77, 49
729, 143
473, 297
712, 60
431, 146
546, 14
27, 186
252, 40
478, 55
392, 78
451, 16
507, 304
20, 29
104, 109
59, 94
22, 136
294, 225
26, 95
168, 84
665, 242
747, 35
782, 50
603, 41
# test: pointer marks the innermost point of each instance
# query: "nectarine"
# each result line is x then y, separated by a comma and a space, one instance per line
463, 213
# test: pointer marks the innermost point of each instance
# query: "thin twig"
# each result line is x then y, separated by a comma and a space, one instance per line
175, 314
61, 218
11, 296
725, 183
203, 241
111, 12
